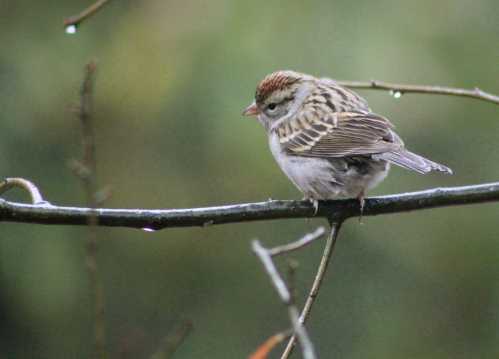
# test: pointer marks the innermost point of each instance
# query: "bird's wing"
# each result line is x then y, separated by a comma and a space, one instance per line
337, 134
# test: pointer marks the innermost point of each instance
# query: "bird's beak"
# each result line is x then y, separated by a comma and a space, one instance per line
251, 110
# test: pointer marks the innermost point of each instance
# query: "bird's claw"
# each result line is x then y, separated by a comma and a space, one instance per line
362, 203
315, 204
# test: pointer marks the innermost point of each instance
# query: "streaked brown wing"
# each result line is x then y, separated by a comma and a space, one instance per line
338, 134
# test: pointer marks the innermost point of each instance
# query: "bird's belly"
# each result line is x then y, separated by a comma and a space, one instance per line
331, 178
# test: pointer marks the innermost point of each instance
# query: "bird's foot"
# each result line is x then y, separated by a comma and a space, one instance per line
315, 204
362, 202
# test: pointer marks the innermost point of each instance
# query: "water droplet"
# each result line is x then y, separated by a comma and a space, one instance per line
71, 29
396, 94
147, 229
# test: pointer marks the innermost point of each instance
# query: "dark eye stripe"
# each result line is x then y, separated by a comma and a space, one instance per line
273, 105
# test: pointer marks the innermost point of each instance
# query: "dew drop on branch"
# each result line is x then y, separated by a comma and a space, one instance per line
70, 29
147, 229
396, 94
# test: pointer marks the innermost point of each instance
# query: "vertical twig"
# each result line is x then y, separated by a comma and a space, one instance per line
312, 295
86, 170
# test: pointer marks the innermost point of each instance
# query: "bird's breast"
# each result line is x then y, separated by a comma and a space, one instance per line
302, 171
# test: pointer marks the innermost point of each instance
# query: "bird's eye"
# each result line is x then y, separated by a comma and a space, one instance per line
272, 106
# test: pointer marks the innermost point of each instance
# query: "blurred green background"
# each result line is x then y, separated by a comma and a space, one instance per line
173, 77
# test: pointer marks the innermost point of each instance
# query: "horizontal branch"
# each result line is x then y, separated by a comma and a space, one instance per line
435, 90
335, 210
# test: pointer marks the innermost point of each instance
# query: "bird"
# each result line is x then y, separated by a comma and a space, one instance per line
327, 140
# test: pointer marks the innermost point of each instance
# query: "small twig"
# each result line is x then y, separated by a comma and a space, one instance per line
34, 192
75, 20
86, 171
293, 246
299, 330
172, 342
312, 295
276, 280
264, 349
436, 90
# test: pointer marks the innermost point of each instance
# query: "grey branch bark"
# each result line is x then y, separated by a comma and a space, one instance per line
475, 93
335, 210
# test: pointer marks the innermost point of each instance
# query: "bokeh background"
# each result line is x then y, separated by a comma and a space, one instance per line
173, 77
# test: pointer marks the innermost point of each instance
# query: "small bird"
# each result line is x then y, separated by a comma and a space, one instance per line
326, 139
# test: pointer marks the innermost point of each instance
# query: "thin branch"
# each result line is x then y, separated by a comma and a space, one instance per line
302, 242
299, 330
28, 186
76, 20
436, 90
86, 171
270, 210
264, 349
316, 285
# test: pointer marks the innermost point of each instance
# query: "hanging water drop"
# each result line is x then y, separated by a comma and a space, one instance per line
147, 229
71, 29
396, 94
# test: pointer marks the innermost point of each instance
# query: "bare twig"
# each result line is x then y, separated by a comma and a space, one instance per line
28, 186
86, 170
264, 350
75, 20
302, 242
435, 90
190, 217
314, 290
281, 288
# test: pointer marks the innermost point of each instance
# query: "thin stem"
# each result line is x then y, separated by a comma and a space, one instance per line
265, 348
276, 280
85, 14
86, 171
435, 90
316, 285
299, 330
302, 242
28, 186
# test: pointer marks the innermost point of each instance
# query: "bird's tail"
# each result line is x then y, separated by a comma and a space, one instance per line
412, 161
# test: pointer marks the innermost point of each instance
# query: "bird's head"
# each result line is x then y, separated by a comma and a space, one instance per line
279, 95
